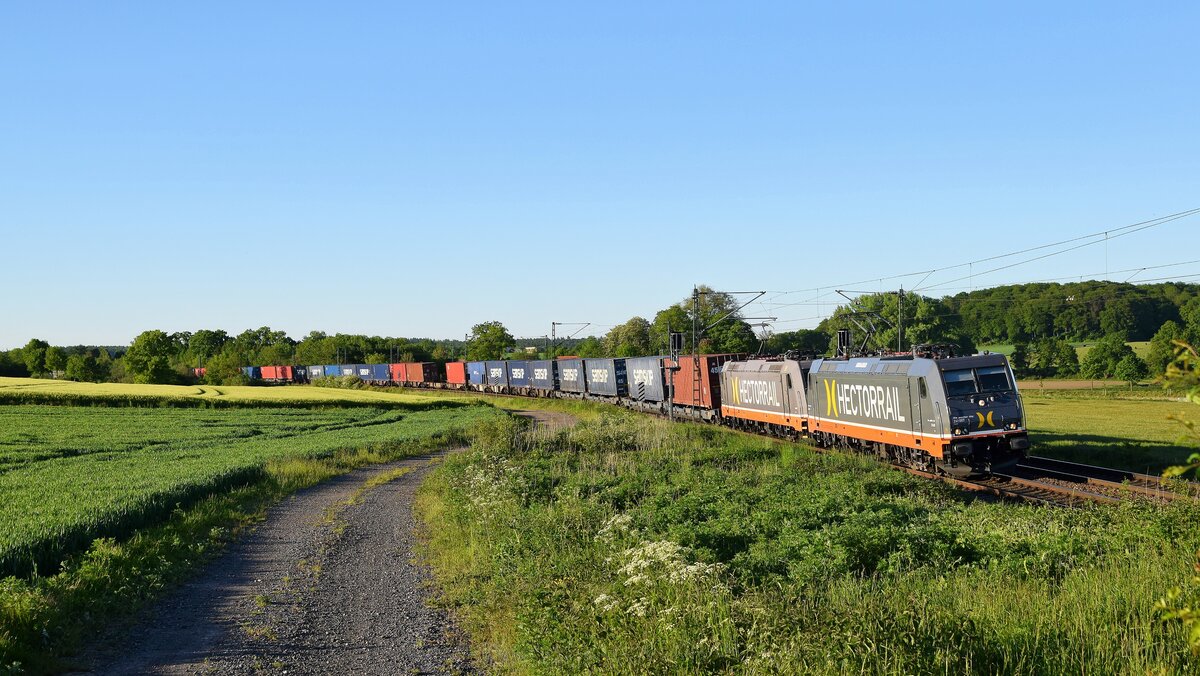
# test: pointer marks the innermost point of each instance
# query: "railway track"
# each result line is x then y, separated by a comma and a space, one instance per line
1045, 480
1021, 488
1105, 480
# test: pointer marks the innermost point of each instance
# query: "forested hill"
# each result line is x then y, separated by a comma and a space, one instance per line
1078, 311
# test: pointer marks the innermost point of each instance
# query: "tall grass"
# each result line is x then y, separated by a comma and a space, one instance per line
626, 545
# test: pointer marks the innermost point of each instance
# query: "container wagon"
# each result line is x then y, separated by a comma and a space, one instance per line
543, 377
696, 390
571, 380
477, 375
647, 382
496, 377
605, 377
456, 373
519, 376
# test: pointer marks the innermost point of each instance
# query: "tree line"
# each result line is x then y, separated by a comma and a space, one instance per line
1039, 320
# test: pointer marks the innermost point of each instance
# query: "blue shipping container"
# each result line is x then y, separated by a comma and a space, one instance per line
476, 373
497, 375
316, 372
381, 372
518, 373
252, 372
646, 378
333, 370
570, 375
606, 377
543, 375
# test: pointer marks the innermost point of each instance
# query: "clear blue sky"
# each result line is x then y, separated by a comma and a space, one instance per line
412, 169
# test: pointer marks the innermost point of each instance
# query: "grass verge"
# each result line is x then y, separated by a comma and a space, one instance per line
629, 546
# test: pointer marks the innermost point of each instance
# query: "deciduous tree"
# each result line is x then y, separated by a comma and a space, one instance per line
488, 340
149, 357
34, 356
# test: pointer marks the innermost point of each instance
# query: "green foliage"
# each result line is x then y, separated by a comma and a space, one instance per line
1162, 347
926, 321
804, 341
718, 335
489, 340
149, 357
34, 355
342, 382
56, 359
1102, 360
1131, 369
628, 546
631, 339
85, 368
1189, 313
1044, 358
588, 347
1182, 604
12, 363
1020, 357
1078, 312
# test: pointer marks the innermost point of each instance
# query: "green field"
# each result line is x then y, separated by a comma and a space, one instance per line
1108, 429
71, 474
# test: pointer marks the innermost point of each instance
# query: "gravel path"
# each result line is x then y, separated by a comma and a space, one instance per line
327, 584
320, 587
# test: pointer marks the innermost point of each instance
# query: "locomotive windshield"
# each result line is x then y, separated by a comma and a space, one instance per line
993, 379
970, 381
959, 382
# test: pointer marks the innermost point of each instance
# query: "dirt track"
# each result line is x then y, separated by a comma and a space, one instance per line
320, 587
327, 584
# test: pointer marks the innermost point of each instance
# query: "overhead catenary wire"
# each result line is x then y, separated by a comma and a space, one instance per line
1097, 236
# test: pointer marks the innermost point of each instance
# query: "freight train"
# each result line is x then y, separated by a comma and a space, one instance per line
931, 411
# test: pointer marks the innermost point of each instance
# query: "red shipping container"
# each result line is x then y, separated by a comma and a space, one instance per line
708, 393
283, 373
397, 372
456, 372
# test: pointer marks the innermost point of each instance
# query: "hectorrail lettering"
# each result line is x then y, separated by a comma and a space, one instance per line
757, 392
864, 401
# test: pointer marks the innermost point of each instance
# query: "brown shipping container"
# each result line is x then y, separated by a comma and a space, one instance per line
421, 371
456, 372
397, 371
684, 380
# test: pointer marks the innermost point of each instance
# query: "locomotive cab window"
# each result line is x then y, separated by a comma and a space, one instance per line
959, 382
993, 379
923, 388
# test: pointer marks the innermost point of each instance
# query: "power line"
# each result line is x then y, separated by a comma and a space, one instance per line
1120, 232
